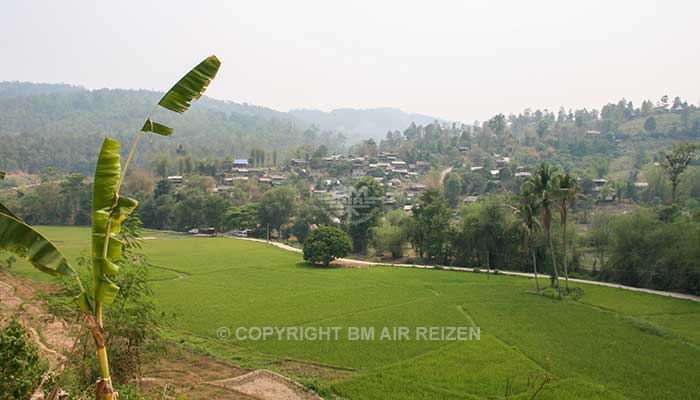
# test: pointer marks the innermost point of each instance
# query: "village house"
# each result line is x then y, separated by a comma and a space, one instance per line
176, 179
240, 163
422, 166
299, 162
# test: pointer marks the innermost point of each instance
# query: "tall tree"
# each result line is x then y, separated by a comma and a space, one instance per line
676, 162
365, 207
453, 189
527, 209
430, 224
541, 183
567, 192
650, 124
277, 205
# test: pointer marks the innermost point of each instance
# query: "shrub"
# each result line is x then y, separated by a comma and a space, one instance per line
21, 367
325, 244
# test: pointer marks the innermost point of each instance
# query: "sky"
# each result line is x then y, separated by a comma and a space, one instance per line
457, 60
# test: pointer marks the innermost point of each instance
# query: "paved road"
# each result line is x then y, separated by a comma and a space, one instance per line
353, 263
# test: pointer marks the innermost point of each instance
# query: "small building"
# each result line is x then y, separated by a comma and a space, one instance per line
476, 169
470, 199
523, 174
299, 162
416, 187
277, 179
240, 163
502, 161
592, 133
422, 166
176, 179
599, 183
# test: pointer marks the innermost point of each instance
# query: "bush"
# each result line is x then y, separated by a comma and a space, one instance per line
21, 367
325, 244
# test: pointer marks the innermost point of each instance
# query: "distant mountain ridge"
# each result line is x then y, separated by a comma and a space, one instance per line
359, 124
355, 124
61, 125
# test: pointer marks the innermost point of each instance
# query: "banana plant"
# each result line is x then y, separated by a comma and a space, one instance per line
109, 210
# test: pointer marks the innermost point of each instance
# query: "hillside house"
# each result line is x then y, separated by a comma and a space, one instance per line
422, 166
502, 161
175, 179
240, 163
299, 162
598, 184
277, 180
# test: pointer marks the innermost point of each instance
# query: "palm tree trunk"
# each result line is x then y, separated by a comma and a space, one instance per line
488, 266
566, 262
534, 265
554, 259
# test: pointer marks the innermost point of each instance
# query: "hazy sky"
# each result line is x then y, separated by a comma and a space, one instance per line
461, 60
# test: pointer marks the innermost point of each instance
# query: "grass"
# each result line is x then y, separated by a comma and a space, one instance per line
610, 344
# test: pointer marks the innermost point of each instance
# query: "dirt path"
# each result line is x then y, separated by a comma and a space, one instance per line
348, 262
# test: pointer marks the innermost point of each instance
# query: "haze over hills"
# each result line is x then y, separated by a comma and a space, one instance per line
61, 123
361, 124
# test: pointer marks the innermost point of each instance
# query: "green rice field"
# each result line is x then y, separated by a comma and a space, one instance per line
609, 344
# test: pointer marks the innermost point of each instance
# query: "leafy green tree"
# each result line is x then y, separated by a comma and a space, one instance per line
365, 208
75, 200
21, 366
676, 162
453, 189
243, 217
430, 226
325, 244
599, 238
650, 124
391, 233
314, 213
485, 230
277, 206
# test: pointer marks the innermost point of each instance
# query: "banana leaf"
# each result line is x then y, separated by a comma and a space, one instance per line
108, 212
179, 98
22, 240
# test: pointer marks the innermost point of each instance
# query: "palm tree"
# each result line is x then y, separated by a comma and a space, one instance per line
527, 209
541, 184
568, 191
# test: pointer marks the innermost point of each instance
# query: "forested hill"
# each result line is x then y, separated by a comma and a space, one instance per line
62, 125
362, 124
